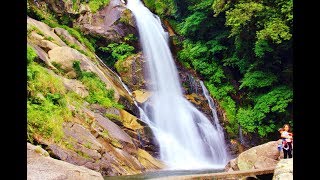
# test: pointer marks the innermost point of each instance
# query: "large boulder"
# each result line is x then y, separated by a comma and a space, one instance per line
148, 161
40, 166
75, 86
80, 146
65, 56
131, 71
141, 96
104, 147
258, 157
43, 56
68, 38
45, 30
129, 120
112, 23
129, 105
67, 7
41, 41
81, 135
284, 170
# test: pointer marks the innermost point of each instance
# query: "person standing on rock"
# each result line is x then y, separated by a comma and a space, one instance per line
287, 143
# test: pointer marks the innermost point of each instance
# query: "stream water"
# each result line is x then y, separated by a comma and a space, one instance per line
163, 174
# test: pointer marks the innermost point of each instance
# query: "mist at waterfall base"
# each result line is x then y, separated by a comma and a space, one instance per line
186, 137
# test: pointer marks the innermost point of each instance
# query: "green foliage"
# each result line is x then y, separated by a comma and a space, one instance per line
119, 66
96, 5
75, 5
31, 54
97, 90
50, 19
46, 104
113, 117
287, 10
239, 16
202, 57
43, 15
276, 100
65, 19
105, 134
46, 120
80, 37
162, 7
222, 93
257, 79
59, 67
201, 6
119, 51
40, 80
219, 6
192, 23
125, 17
243, 51
247, 119
89, 54
276, 30
77, 68
265, 107
49, 38
98, 93
37, 30
130, 37
261, 47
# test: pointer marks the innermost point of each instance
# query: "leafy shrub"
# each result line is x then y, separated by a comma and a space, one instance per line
98, 93
31, 54
46, 104
96, 5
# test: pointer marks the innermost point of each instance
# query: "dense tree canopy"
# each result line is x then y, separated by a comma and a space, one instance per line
243, 51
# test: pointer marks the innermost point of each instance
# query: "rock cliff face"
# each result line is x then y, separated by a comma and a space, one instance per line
112, 141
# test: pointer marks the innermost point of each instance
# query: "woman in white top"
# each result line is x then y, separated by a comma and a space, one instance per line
287, 141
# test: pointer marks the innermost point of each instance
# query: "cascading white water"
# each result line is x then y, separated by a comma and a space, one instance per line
219, 130
187, 139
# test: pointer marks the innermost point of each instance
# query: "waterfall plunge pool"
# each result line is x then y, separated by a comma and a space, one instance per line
163, 174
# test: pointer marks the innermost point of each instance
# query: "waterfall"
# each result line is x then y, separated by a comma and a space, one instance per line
186, 137
218, 129
241, 135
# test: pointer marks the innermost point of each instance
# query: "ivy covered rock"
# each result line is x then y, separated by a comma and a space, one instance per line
131, 71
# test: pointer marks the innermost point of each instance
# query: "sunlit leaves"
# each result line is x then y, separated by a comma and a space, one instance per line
191, 23
257, 79
275, 30
241, 15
